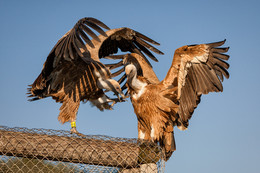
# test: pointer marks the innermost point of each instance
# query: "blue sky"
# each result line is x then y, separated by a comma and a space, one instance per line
223, 136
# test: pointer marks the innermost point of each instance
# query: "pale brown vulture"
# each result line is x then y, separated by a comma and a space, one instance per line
73, 71
159, 106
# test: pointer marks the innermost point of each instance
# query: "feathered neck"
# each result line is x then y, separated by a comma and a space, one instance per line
134, 81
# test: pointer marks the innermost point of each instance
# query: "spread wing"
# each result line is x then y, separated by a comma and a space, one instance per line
71, 45
69, 66
196, 70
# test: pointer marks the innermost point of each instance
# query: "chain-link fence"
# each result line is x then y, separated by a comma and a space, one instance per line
42, 150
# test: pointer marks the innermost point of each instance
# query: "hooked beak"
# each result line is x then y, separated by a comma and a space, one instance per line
118, 96
116, 89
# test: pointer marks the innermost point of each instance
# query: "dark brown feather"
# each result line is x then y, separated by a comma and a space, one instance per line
148, 46
222, 70
85, 37
147, 52
98, 22
122, 79
95, 27
115, 65
216, 44
89, 32
220, 49
221, 56
220, 62
76, 46
118, 72
138, 34
80, 43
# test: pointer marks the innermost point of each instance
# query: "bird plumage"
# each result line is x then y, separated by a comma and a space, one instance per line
159, 106
73, 71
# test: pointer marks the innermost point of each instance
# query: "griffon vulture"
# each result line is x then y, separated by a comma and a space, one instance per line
73, 71
161, 105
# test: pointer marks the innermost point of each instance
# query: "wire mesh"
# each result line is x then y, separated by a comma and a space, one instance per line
45, 150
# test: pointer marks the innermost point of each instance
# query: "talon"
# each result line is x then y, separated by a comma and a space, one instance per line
80, 134
73, 130
127, 96
114, 102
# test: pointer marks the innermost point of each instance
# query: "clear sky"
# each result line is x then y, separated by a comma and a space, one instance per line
224, 133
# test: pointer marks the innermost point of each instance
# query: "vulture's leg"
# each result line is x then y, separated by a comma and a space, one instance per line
68, 112
74, 129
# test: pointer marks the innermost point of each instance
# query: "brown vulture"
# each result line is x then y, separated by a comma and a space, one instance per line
161, 105
73, 71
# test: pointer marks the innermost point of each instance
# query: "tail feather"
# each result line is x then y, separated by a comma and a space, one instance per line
38, 89
168, 142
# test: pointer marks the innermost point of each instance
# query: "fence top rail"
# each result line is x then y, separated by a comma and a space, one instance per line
62, 146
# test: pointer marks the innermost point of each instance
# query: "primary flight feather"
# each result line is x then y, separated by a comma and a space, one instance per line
73, 71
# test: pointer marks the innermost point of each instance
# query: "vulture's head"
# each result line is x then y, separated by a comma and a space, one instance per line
114, 86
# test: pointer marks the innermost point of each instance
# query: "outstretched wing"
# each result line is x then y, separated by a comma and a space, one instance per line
71, 45
196, 70
69, 64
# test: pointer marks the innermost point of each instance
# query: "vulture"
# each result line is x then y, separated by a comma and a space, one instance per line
161, 105
73, 71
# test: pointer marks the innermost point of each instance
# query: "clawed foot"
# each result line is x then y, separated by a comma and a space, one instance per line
119, 99
74, 130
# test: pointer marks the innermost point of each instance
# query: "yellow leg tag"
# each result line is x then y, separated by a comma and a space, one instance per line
73, 124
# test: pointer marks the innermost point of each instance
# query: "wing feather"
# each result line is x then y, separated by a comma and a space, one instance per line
137, 50
71, 64
147, 52
220, 62
220, 50
199, 70
114, 65
221, 56
222, 70
89, 32
68, 68
98, 22
202, 80
125, 40
95, 27
71, 51
122, 79
138, 34
85, 37
66, 50
76, 46
216, 44
80, 43
69, 45
59, 46
118, 72
148, 46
